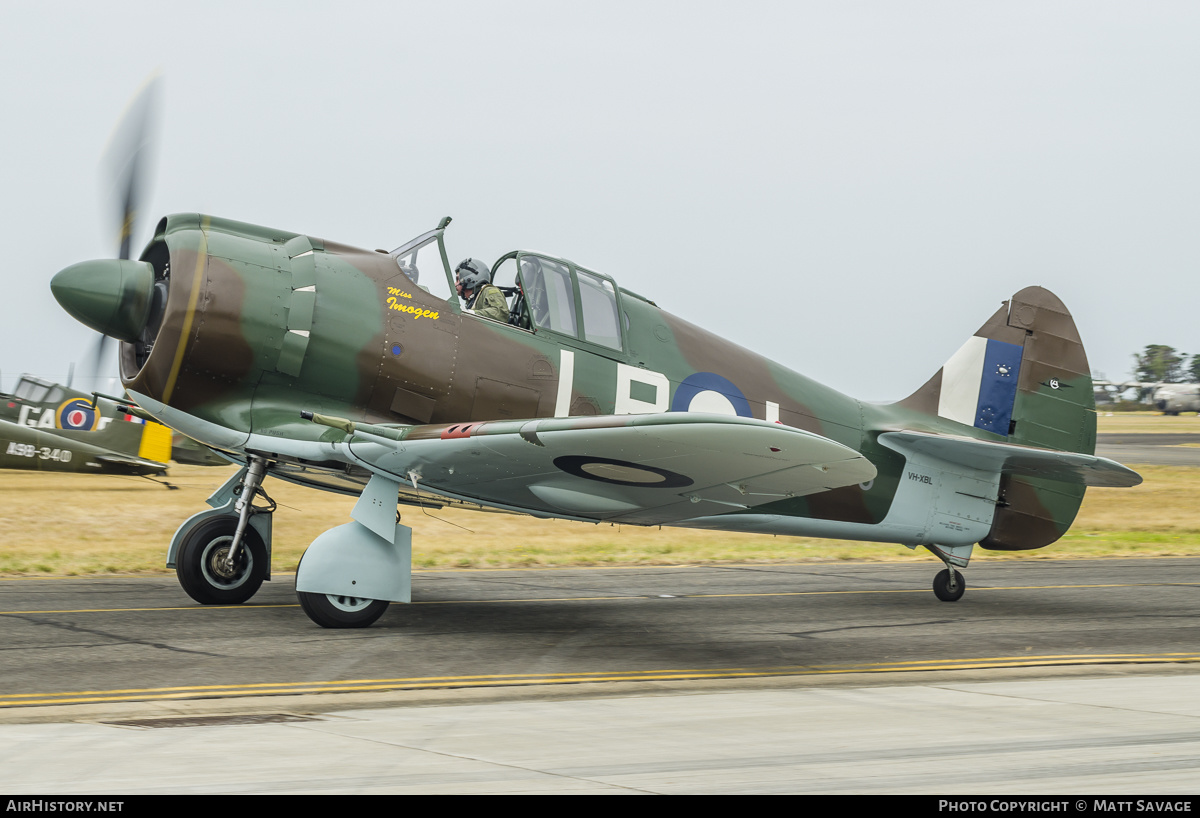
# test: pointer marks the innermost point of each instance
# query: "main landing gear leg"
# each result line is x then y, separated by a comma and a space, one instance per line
221, 556
949, 585
350, 573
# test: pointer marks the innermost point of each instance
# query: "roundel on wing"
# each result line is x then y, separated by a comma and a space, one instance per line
709, 392
76, 413
621, 472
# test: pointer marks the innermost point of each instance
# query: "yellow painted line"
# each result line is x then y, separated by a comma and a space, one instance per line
193, 297
137, 610
499, 680
253, 606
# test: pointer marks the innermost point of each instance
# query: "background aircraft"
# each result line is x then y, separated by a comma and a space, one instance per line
1168, 398
1173, 398
50, 406
49, 427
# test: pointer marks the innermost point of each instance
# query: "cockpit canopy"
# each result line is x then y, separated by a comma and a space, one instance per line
36, 390
544, 294
559, 296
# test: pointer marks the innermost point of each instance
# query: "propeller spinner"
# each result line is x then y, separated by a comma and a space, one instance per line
112, 296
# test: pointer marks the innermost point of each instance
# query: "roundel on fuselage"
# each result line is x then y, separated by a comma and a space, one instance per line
709, 392
76, 413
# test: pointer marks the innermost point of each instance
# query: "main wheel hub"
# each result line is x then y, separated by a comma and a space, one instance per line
215, 564
348, 603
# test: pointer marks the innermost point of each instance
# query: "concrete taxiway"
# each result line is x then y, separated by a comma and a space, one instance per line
1117, 734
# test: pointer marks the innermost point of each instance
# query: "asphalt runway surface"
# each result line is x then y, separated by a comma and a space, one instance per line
1048, 676
1168, 449
141, 638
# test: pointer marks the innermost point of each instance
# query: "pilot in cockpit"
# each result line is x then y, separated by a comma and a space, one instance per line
474, 283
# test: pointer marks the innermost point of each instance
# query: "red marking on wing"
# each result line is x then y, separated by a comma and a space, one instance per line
463, 430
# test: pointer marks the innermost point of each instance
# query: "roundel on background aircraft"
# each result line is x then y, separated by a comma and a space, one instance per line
76, 414
709, 392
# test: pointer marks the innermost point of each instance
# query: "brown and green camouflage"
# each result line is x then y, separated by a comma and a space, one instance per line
259, 324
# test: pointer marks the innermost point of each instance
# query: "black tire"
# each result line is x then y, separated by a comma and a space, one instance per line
197, 565
941, 586
339, 611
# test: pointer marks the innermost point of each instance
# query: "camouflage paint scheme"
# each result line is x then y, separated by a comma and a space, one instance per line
261, 323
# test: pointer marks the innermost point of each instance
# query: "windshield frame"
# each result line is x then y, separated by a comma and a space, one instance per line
420, 241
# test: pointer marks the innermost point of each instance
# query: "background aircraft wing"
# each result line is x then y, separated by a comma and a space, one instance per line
132, 465
640, 469
25, 447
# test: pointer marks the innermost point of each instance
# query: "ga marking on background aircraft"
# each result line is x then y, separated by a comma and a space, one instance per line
57, 408
335, 367
49, 427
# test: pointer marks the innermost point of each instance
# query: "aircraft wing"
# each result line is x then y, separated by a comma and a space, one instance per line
1066, 467
640, 469
129, 464
26, 447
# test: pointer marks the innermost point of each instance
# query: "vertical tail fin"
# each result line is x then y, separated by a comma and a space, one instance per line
155, 443
1023, 376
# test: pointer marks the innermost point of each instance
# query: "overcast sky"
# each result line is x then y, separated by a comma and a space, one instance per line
848, 188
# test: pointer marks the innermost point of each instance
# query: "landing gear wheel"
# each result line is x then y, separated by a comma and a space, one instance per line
200, 564
942, 588
340, 611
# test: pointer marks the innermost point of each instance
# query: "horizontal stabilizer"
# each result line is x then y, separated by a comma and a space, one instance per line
1065, 467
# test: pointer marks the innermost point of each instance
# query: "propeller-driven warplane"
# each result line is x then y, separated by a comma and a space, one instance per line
361, 372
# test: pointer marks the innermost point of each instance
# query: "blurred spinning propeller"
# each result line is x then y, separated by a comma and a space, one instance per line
105, 287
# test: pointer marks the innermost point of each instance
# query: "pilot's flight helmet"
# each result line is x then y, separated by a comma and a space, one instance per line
473, 273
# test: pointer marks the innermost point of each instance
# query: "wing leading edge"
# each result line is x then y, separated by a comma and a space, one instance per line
639, 469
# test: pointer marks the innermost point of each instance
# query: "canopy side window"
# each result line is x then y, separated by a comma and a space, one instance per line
31, 390
550, 294
598, 299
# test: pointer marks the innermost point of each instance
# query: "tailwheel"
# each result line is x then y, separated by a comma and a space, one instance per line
341, 611
949, 587
201, 564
